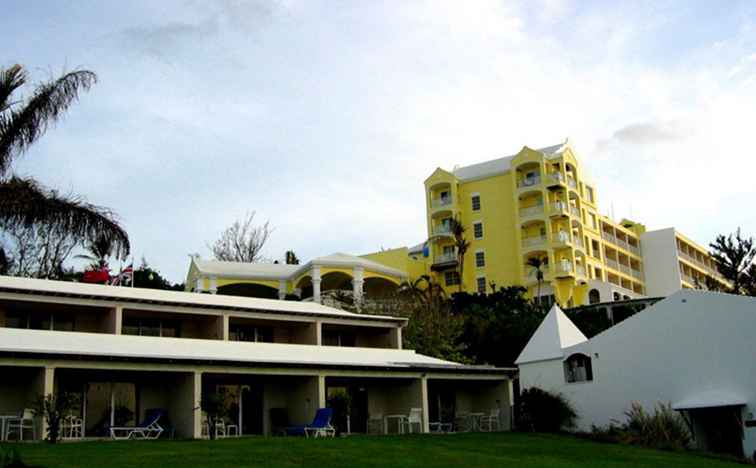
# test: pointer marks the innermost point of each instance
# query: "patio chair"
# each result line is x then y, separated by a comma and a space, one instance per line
72, 427
24, 422
415, 417
320, 426
376, 424
439, 427
490, 422
147, 429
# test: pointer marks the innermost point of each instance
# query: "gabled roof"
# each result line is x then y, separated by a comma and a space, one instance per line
555, 333
502, 165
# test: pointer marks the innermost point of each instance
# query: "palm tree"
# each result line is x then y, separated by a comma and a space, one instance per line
24, 202
537, 264
291, 258
461, 244
99, 250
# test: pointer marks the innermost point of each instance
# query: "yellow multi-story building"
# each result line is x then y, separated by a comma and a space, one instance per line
535, 211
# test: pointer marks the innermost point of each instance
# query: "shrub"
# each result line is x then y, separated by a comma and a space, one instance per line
53, 409
664, 429
541, 411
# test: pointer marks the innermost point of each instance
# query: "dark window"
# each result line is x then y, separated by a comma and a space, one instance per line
480, 259
594, 297
151, 327
16, 320
481, 283
451, 278
577, 368
478, 230
237, 332
339, 338
476, 202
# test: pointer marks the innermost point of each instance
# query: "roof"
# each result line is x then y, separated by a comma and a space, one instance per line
279, 271
710, 399
186, 299
125, 347
502, 165
555, 333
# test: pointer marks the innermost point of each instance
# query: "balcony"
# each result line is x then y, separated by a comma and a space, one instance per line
442, 230
612, 264
533, 241
580, 270
636, 274
691, 259
578, 242
441, 202
531, 211
561, 237
444, 258
529, 182
571, 182
564, 268
558, 208
556, 178
575, 212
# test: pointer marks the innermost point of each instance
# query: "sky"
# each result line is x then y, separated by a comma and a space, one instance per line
325, 117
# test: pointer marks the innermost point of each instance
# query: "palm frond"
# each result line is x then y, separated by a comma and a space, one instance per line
24, 203
21, 127
11, 79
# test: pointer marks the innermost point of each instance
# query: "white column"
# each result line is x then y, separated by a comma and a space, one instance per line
316, 284
213, 285
282, 289
200, 286
424, 396
358, 275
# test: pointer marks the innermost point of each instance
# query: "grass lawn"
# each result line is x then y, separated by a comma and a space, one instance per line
502, 449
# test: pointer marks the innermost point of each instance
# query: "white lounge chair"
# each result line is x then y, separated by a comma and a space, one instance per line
491, 422
148, 429
24, 422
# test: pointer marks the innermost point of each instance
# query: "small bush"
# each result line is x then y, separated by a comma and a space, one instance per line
663, 429
541, 411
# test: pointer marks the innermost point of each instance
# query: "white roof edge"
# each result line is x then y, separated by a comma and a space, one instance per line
126, 294
555, 334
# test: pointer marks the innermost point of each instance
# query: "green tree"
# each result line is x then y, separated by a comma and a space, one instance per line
291, 258
98, 252
461, 244
53, 408
23, 201
496, 326
147, 277
537, 265
734, 256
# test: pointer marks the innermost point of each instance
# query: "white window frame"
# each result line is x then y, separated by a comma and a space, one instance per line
482, 230
483, 252
472, 204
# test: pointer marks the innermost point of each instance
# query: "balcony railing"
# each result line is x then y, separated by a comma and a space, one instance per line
625, 269
531, 211
607, 236
562, 237
558, 207
580, 270
574, 211
533, 241
439, 202
578, 242
612, 264
564, 267
571, 182
557, 177
636, 273
529, 182
442, 230
712, 271
445, 258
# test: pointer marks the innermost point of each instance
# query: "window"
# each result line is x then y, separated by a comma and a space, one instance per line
589, 193
339, 338
151, 327
476, 202
481, 283
594, 297
40, 320
478, 230
480, 259
451, 278
445, 197
594, 224
239, 332
577, 368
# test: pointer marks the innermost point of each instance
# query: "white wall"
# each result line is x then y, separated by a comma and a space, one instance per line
660, 265
690, 343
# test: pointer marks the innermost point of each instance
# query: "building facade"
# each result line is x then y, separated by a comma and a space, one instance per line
691, 350
537, 207
126, 351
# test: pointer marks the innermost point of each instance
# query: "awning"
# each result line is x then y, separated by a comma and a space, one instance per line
710, 399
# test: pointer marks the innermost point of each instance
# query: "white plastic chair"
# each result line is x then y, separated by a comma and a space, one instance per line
24, 422
72, 427
415, 417
491, 422
375, 425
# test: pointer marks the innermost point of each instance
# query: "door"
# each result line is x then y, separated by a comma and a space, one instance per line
251, 409
359, 414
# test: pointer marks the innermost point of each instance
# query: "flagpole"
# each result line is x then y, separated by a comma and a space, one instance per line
133, 272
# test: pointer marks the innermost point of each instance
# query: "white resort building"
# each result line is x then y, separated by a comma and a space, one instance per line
127, 351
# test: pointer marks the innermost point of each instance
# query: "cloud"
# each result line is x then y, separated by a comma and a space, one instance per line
648, 133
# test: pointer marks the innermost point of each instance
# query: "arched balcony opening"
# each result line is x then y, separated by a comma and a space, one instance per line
533, 234
379, 288
578, 368
304, 286
571, 176
530, 204
248, 290
594, 297
528, 175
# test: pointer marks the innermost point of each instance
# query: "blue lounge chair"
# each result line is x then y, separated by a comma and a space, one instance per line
147, 429
320, 426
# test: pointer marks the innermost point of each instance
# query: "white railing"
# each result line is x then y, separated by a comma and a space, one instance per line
610, 237
562, 237
531, 211
442, 229
625, 269
635, 249
558, 207
711, 270
576, 212
564, 267
439, 202
612, 264
445, 258
578, 242
571, 182
557, 177
533, 241
636, 274
580, 269
529, 181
